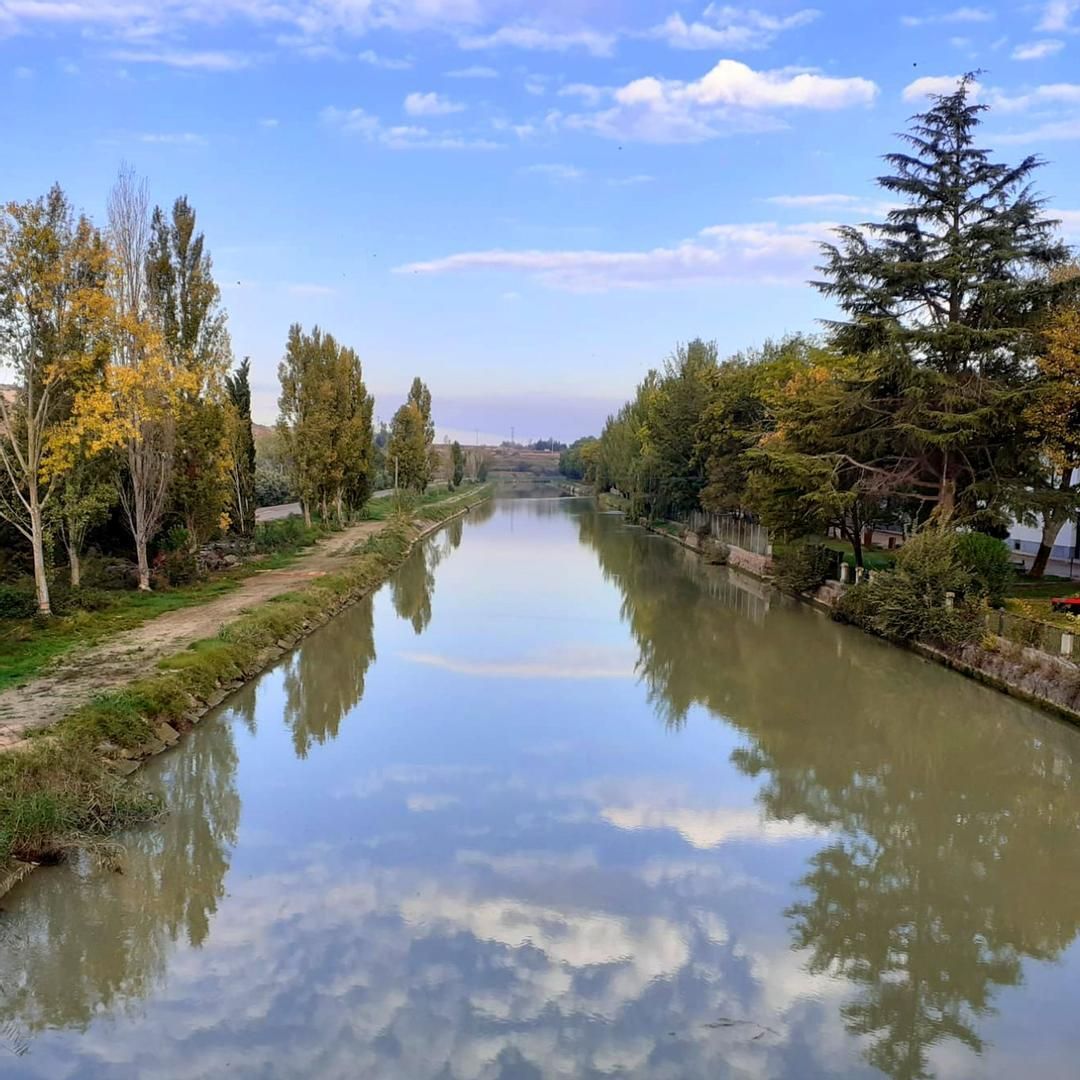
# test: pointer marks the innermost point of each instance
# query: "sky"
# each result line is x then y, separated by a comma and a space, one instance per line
526, 204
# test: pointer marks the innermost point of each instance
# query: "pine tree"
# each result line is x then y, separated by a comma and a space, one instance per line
947, 293
242, 450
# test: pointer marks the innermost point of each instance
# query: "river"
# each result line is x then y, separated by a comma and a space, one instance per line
559, 800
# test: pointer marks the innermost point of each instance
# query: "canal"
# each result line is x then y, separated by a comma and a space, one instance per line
559, 800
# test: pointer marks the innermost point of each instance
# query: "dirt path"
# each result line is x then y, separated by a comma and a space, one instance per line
83, 673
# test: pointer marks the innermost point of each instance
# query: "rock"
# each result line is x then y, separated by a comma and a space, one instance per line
283, 644
124, 768
167, 734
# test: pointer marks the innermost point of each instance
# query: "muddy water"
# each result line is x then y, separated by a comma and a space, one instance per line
559, 801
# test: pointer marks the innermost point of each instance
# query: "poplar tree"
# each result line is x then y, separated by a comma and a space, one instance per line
241, 450
946, 293
185, 303
412, 434
54, 320
457, 464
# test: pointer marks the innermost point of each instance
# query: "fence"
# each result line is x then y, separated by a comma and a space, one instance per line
731, 529
1033, 634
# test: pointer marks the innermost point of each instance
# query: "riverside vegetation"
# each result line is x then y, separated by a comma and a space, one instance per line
942, 401
67, 787
129, 478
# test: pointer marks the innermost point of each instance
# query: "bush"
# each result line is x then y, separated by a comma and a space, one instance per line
986, 560
286, 534
176, 568
856, 606
17, 601
804, 568
909, 603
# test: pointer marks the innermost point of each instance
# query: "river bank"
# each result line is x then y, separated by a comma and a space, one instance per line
67, 782
1031, 675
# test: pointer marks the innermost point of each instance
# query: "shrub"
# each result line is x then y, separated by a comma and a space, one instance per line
176, 567
986, 560
909, 603
856, 606
17, 601
803, 568
284, 535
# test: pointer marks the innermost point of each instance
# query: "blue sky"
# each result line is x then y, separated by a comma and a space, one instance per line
528, 205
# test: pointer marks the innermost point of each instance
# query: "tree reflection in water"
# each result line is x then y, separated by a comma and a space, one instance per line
954, 856
324, 679
56, 971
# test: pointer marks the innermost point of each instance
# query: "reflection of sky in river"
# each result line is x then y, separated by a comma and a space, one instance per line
498, 864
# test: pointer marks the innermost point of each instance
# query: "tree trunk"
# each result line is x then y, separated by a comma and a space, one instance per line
75, 566
340, 509
144, 563
37, 542
307, 513
856, 546
1053, 523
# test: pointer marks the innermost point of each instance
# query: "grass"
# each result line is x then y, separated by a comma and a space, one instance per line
27, 646
61, 791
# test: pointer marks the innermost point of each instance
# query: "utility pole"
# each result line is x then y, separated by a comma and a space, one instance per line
395, 475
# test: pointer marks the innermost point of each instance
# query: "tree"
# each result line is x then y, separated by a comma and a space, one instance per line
412, 433
241, 450
457, 461
577, 460
54, 317
946, 293
86, 495
138, 410
325, 423
800, 476
407, 450
184, 302
1053, 419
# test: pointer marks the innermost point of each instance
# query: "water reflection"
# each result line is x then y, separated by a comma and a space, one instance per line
956, 829
94, 940
324, 681
825, 858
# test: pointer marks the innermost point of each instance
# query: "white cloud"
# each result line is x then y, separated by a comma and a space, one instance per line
591, 95
956, 15
476, 71
169, 138
555, 171
1051, 131
631, 181
763, 252
431, 104
731, 97
933, 85
814, 200
523, 36
269, 122
837, 203
729, 28
189, 60
1070, 222
712, 827
367, 126
580, 663
386, 63
1037, 50
1057, 15
23, 72
1041, 97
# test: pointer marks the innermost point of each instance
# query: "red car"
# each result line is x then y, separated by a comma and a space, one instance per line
1066, 603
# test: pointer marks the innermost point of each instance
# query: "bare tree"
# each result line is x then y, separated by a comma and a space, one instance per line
149, 442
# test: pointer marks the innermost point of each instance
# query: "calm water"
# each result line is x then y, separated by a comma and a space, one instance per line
560, 801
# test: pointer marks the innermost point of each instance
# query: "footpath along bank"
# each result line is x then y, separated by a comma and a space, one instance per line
1006, 661
65, 785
